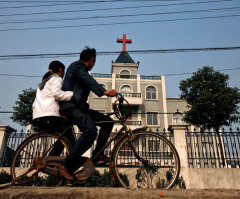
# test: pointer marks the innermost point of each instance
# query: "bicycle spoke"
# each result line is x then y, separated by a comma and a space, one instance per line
28, 153
23, 175
27, 160
147, 161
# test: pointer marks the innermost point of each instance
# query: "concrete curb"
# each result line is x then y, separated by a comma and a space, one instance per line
111, 193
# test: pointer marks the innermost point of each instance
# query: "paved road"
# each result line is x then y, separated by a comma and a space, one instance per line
111, 193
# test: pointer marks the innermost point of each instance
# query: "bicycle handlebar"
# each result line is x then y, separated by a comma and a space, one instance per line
118, 109
121, 96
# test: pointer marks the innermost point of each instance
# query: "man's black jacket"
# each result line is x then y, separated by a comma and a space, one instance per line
78, 80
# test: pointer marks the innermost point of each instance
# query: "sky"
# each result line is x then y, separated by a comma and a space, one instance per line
44, 27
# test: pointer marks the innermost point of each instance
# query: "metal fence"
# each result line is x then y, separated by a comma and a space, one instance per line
12, 142
15, 139
164, 133
204, 149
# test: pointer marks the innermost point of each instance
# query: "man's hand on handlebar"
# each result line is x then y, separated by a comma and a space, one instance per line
111, 93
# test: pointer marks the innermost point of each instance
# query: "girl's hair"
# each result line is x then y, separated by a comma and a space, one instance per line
54, 67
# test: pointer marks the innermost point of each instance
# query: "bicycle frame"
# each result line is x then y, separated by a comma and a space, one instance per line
125, 127
128, 132
125, 138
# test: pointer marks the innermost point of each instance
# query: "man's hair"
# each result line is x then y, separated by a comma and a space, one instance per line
88, 54
56, 65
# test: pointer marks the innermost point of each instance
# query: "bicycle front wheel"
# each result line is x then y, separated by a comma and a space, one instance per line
157, 165
28, 160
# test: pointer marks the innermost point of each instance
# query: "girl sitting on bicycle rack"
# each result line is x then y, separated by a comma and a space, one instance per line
45, 107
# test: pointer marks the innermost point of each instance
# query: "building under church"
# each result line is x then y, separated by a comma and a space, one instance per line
146, 94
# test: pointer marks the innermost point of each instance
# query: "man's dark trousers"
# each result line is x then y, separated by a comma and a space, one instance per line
84, 120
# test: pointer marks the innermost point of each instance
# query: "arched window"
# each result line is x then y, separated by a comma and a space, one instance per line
124, 72
125, 89
151, 92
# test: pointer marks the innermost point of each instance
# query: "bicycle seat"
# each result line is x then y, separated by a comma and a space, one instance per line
48, 123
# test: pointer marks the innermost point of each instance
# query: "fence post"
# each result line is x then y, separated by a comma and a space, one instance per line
181, 147
5, 131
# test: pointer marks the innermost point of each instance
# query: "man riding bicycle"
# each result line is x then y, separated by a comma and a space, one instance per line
78, 80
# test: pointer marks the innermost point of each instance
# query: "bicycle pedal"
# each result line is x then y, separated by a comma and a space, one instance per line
69, 184
60, 182
86, 171
102, 164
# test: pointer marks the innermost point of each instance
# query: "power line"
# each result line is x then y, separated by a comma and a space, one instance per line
177, 50
119, 23
173, 74
142, 113
41, 5
75, 2
123, 15
14, 75
50, 5
88, 1
115, 8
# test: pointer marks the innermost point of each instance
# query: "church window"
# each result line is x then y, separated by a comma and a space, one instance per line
125, 89
152, 118
151, 92
124, 72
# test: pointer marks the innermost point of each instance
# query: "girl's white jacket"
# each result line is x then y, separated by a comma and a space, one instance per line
46, 101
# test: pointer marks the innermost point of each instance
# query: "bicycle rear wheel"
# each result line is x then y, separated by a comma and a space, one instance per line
158, 167
28, 160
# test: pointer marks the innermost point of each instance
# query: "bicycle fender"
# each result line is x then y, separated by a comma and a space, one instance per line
140, 129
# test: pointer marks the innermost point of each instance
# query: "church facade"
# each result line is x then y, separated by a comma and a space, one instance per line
146, 94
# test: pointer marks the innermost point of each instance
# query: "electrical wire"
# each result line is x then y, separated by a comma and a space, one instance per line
114, 8
177, 50
15, 75
176, 74
119, 23
94, 1
143, 113
77, 2
167, 75
48, 55
123, 15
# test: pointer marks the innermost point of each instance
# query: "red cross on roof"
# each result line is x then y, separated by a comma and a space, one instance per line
124, 41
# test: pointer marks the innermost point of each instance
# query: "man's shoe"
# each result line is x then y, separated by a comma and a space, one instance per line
101, 159
86, 171
64, 172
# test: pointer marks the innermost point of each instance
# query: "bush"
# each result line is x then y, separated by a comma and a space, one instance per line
97, 180
100, 180
5, 177
180, 183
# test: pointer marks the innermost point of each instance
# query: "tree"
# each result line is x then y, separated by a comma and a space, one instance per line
23, 109
212, 102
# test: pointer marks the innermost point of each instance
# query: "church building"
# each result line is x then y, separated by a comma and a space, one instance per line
146, 94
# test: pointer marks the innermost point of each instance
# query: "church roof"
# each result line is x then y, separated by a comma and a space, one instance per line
124, 57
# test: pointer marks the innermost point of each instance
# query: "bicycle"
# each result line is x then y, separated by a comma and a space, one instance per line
139, 158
